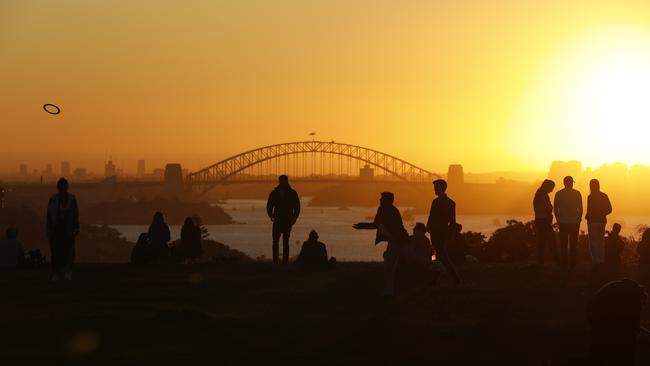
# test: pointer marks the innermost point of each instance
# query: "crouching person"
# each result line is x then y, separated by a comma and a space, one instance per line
313, 254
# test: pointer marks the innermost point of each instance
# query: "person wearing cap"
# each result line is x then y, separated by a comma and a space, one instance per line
390, 228
598, 207
62, 228
544, 221
568, 213
283, 208
441, 223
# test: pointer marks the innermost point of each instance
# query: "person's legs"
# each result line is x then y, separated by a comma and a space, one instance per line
564, 242
55, 257
597, 242
439, 245
286, 234
390, 268
573, 244
545, 235
276, 243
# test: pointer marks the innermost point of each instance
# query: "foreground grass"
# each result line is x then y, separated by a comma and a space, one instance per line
256, 313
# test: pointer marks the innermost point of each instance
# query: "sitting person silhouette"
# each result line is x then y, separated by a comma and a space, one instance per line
12, 253
643, 249
457, 245
614, 246
414, 269
159, 236
191, 240
142, 251
313, 254
617, 337
419, 250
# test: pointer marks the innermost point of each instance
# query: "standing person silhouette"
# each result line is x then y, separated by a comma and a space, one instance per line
62, 228
598, 207
544, 221
442, 221
568, 213
283, 208
390, 227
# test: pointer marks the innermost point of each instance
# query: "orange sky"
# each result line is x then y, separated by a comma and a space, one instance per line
482, 83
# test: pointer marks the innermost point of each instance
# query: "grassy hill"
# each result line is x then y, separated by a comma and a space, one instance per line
253, 313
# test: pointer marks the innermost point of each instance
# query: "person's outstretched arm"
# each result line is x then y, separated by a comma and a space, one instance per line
368, 225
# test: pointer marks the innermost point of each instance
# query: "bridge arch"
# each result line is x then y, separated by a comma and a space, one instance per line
222, 171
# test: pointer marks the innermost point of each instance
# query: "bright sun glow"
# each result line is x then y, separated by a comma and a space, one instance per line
593, 102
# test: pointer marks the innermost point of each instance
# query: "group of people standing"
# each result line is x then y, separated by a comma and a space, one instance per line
567, 208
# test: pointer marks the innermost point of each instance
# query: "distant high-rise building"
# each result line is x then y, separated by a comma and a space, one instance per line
141, 170
366, 173
48, 169
22, 169
109, 169
173, 178
65, 168
455, 175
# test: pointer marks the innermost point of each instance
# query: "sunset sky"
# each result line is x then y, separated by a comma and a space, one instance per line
494, 85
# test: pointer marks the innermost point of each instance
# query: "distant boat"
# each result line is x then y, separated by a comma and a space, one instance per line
344, 208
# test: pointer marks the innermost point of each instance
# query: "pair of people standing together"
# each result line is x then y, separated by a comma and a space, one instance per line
568, 211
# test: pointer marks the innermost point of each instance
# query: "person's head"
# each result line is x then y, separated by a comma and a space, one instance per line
283, 180
158, 218
616, 229
458, 228
313, 235
62, 186
189, 221
568, 181
11, 233
439, 186
594, 185
419, 229
547, 186
387, 198
615, 312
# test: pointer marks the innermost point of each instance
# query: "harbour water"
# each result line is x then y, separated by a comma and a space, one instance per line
252, 234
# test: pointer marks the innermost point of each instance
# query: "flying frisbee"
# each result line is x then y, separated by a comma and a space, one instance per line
51, 108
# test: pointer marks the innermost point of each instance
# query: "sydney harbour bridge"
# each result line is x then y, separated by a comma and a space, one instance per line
317, 161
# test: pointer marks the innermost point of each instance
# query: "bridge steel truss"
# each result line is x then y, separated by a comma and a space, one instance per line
220, 172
